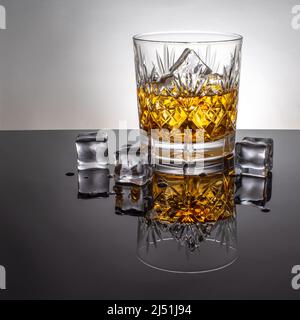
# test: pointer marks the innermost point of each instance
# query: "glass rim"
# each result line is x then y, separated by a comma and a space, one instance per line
155, 37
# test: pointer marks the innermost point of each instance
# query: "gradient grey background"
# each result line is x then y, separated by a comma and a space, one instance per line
69, 63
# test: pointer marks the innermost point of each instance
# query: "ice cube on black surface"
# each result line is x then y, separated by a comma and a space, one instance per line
92, 150
254, 156
132, 165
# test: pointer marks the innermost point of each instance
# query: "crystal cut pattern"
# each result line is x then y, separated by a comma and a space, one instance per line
189, 236
191, 199
189, 92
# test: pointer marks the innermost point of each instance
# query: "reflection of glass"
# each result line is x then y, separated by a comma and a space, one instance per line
187, 88
133, 200
187, 223
192, 227
191, 199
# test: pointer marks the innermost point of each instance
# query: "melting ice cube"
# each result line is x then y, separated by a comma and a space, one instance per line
133, 160
213, 84
92, 150
189, 63
254, 156
132, 166
188, 74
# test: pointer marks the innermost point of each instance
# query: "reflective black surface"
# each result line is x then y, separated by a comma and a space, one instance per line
54, 245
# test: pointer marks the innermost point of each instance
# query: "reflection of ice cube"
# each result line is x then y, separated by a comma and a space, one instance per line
251, 190
133, 200
188, 74
93, 183
254, 156
132, 165
92, 150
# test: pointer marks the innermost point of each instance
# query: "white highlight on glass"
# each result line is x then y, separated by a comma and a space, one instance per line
2, 17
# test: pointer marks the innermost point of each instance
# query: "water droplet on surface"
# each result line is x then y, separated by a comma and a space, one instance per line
70, 174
